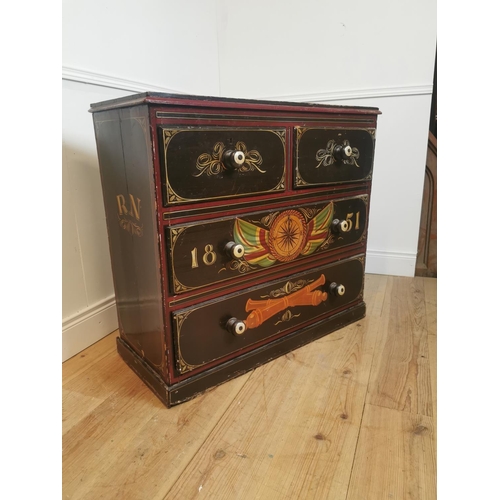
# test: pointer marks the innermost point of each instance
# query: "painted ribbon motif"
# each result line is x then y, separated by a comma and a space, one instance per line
212, 164
326, 156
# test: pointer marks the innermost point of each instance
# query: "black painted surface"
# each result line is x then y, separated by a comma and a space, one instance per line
124, 151
185, 255
197, 384
141, 278
200, 334
189, 183
313, 171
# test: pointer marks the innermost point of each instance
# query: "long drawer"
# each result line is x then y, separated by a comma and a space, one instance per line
327, 156
210, 163
210, 331
210, 252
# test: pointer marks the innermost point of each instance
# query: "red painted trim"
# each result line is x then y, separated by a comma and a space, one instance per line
323, 195
305, 116
235, 284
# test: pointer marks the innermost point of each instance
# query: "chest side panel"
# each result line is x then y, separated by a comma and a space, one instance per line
124, 150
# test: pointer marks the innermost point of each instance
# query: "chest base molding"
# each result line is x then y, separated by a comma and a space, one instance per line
191, 387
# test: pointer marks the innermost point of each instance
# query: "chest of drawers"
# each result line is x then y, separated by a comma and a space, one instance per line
237, 230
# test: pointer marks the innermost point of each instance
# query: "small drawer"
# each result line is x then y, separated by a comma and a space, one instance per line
212, 330
326, 156
200, 164
214, 251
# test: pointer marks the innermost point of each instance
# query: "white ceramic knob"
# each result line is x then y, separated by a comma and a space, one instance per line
233, 159
336, 289
341, 226
239, 158
236, 251
236, 326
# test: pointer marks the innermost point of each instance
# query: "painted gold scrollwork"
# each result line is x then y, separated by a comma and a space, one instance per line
327, 242
212, 163
326, 156
168, 134
299, 131
310, 213
132, 227
289, 287
268, 219
299, 181
182, 366
287, 316
172, 196
280, 134
242, 266
253, 159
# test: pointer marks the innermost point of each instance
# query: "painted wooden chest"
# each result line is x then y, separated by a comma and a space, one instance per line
237, 230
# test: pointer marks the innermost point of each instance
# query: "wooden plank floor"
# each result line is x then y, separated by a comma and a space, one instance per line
350, 416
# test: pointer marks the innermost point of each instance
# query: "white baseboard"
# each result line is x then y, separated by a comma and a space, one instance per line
343, 95
84, 329
113, 82
89, 77
391, 263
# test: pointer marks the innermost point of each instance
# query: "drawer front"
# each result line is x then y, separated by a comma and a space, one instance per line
325, 156
219, 250
210, 331
215, 163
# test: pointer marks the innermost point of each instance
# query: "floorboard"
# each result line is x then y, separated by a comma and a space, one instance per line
350, 416
401, 377
395, 457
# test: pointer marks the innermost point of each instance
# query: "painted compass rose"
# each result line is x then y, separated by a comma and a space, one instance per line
290, 234
287, 235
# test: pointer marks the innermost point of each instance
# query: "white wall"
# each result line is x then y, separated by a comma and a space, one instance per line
358, 52
120, 47
286, 47
162, 44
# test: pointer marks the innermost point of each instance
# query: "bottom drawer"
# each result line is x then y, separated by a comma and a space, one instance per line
212, 330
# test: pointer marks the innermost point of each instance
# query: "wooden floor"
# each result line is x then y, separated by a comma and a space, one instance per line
350, 416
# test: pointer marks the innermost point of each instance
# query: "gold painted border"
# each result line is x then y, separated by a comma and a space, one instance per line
182, 365
298, 180
174, 198
179, 317
176, 231
362, 259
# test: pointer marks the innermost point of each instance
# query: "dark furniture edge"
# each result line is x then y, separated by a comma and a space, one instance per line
197, 100
143, 370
